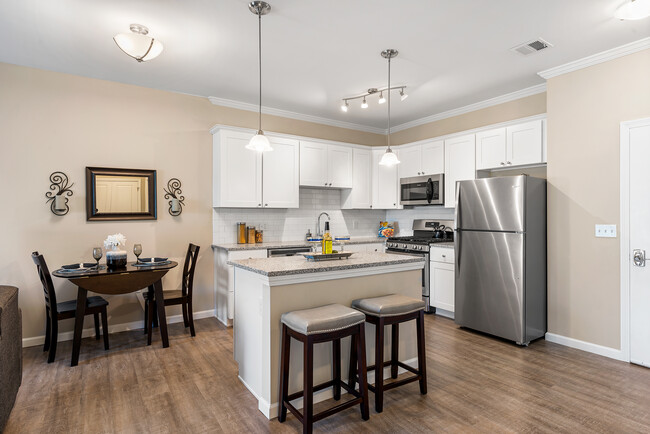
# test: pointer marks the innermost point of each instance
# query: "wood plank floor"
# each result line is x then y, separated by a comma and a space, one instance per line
476, 384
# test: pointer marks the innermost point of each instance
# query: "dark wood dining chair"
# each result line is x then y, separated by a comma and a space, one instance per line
55, 312
181, 296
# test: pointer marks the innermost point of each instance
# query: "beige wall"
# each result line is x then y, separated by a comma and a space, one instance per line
520, 108
585, 109
51, 121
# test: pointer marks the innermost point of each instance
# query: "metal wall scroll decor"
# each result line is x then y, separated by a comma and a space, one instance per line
173, 192
59, 188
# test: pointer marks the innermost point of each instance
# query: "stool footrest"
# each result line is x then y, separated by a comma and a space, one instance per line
408, 368
316, 389
336, 409
294, 411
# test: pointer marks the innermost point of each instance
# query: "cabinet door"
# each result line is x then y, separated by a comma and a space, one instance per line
442, 286
410, 161
281, 174
339, 165
313, 164
237, 171
491, 149
384, 183
360, 195
433, 157
460, 164
524, 143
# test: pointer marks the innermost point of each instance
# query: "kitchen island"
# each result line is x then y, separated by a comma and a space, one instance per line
265, 288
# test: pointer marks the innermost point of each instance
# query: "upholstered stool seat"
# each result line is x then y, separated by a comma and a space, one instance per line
328, 323
392, 310
388, 305
322, 319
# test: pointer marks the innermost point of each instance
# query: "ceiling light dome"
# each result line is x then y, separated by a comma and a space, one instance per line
634, 10
138, 44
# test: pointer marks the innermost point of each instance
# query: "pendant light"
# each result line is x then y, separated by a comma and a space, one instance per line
389, 158
634, 10
138, 44
259, 142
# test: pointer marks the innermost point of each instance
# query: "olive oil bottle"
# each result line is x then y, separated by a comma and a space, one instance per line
327, 239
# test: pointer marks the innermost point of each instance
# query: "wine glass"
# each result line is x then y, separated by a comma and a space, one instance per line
97, 254
137, 250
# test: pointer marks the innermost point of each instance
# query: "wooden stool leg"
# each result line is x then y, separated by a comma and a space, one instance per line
186, 323
105, 328
422, 354
48, 331
151, 315
379, 366
190, 317
308, 386
336, 368
54, 336
352, 371
363, 375
96, 316
285, 352
394, 349
146, 315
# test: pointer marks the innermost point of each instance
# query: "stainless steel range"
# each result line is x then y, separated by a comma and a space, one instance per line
425, 233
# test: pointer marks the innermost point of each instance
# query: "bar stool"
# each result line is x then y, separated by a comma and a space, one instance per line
312, 326
392, 310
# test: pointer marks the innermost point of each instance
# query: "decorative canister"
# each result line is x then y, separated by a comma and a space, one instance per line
251, 235
241, 233
115, 259
259, 236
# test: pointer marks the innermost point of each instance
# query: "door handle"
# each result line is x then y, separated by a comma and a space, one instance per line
638, 256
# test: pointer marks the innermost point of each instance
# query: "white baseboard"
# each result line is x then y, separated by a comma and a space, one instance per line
601, 350
135, 325
271, 410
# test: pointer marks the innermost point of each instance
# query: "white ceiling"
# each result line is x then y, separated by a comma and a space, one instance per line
452, 52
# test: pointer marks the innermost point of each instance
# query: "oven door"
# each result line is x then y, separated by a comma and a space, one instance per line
421, 190
426, 288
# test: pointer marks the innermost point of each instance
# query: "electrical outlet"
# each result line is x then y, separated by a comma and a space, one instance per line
606, 231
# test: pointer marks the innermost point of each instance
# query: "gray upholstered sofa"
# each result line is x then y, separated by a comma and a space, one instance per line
11, 358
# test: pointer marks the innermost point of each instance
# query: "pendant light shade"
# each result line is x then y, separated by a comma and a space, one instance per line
634, 10
259, 142
138, 44
389, 158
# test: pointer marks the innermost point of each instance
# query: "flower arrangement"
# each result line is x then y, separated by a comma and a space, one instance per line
113, 241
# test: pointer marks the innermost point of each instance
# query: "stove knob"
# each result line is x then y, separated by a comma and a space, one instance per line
404, 246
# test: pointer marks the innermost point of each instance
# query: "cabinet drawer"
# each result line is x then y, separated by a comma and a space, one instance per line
246, 254
441, 254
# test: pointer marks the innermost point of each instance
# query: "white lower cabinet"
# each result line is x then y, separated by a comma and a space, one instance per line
224, 280
441, 275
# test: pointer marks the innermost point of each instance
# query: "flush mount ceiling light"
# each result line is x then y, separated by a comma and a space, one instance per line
374, 91
634, 10
389, 158
138, 44
259, 142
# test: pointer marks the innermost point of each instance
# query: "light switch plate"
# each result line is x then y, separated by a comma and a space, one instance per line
606, 231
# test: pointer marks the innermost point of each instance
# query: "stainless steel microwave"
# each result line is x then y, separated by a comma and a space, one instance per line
422, 190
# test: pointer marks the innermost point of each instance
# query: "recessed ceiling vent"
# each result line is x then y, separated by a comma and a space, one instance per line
531, 47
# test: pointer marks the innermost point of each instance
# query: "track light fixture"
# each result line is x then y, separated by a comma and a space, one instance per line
372, 91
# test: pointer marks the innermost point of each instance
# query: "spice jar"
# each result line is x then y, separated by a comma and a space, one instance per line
251, 235
241, 233
259, 236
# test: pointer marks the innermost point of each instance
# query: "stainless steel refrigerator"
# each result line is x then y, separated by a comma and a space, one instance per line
500, 249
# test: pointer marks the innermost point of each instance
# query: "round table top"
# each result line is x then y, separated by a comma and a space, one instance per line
130, 268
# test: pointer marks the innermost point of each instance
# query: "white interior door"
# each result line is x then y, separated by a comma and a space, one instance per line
639, 218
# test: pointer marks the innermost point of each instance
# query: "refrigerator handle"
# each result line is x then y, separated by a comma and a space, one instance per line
457, 235
457, 246
457, 214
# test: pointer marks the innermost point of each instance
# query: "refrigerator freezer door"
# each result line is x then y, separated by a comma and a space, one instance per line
491, 204
490, 283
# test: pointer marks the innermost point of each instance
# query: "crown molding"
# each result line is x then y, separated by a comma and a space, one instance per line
533, 90
595, 59
294, 115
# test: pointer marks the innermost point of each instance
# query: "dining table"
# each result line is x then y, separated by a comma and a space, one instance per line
125, 280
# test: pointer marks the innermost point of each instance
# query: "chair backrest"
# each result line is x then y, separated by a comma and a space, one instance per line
188, 269
46, 281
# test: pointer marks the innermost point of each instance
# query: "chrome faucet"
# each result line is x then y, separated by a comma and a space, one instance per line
318, 231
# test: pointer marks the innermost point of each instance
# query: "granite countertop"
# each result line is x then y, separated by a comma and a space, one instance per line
291, 265
301, 243
448, 245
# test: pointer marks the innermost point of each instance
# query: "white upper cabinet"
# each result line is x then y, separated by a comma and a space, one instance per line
460, 165
385, 194
524, 144
324, 165
491, 149
281, 174
424, 159
247, 179
237, 178
313, 164
360, 195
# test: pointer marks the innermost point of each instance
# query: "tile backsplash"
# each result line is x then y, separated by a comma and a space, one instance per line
292, 224
405, 217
